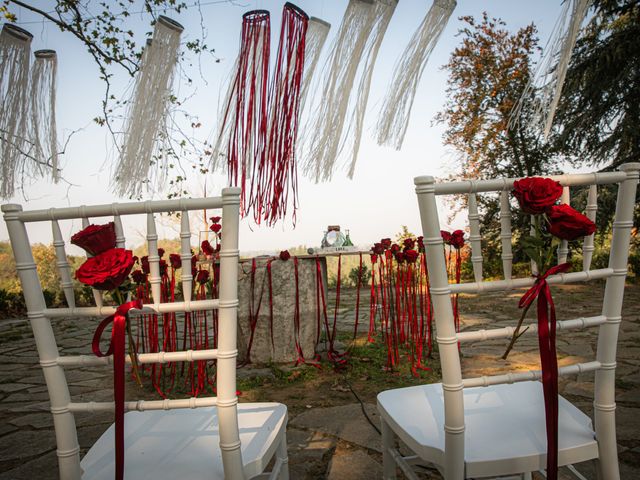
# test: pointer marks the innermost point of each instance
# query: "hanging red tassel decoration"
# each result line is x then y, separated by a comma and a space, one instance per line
243, 120
276, 177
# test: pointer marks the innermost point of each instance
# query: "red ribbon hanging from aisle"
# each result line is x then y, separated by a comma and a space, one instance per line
548, 359
116, 347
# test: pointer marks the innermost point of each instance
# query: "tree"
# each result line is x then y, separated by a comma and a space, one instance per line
599, 112
488, 73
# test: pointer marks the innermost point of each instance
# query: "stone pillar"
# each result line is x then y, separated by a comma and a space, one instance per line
283, 287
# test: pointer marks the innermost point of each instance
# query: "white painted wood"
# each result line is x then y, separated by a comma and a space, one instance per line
459, 425
505, 235
563, 248
63, 264
97, 294
475, 238
199, 438
154, 259
185, 255
587, 244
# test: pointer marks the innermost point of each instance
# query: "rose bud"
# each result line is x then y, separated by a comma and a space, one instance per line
216, 227
95, 239
284, 255
457, 239
409, 243
194, 260
207, 249
399, 254
138, 277
536, 194
386, 243
378, 248
215, 219
395, 248
374, 258
203, 276
161, 252
410, 255
144, 262
175, 261
446, 236
163, 267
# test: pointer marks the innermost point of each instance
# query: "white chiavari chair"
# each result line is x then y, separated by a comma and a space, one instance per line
194, 438
494, 426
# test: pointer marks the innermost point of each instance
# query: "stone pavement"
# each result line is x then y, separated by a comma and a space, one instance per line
334, 442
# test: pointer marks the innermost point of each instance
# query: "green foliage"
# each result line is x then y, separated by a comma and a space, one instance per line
598, 115
364, 275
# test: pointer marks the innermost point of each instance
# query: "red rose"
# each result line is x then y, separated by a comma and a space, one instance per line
216, 227
107, 270
568, 224
284, 255
457, 239
163, 267
175, 260
386, 243
421, 243
409, 243
374, 258
399, 255
215, 219
536, 194
203, 276
394, 248
410, 256
161, 252
378, 248
139, 277
96, 239
144, 262
446, 236
207, 249
194, 260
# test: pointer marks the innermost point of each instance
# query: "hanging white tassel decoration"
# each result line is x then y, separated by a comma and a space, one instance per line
243, 120
552, 70
324, 138
393, 119
383, 14
317, 32
146, 133
43, 110
15, 49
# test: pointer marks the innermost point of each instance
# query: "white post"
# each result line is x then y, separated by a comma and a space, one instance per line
63, 264
587, 245
185, 255
227, 347
563, 248
474, 238
97, 294
154, 259
68, 450
447, 340
505, 235
604, 404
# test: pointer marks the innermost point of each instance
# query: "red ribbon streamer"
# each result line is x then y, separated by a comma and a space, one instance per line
548, 359
116, 347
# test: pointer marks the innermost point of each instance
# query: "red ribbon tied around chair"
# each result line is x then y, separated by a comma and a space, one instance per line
548, 359
116, 347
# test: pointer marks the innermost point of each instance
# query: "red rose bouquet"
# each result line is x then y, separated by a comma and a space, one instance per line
551, 224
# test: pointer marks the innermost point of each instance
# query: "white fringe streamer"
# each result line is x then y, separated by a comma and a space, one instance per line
43, 110
146, 132
552, 70
325, 128
383, 14
15, 49
317, 32
393, 119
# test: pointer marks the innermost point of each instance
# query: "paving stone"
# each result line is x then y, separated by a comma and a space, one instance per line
44, 467
354, 465
25, 443
346, 422
13, 387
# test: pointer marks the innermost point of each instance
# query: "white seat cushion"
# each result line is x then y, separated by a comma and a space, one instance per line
504, 427
184, 444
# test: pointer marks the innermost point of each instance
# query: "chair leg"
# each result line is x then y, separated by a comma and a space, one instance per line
388, 463
282, 456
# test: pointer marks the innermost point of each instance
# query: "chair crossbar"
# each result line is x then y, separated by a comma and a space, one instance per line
530, 375
193, 306
512, 284
501, 184
404, 463
109, 209
159, 357
144, 405
507, 332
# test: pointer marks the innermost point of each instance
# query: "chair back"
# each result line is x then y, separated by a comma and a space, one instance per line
54, 364
608, 321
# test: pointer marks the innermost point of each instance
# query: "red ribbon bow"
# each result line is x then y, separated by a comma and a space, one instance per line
548, 359
116, 347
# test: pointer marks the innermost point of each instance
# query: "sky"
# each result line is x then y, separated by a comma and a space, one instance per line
376, 203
